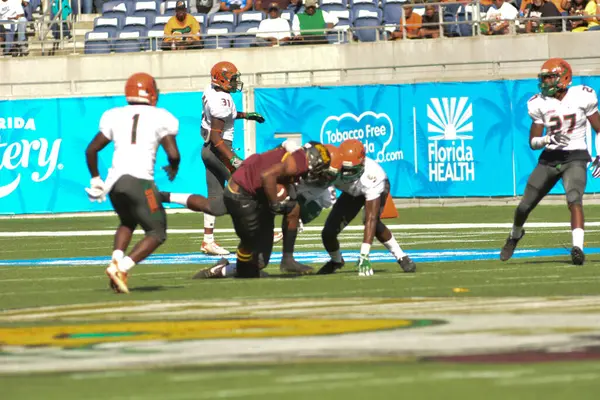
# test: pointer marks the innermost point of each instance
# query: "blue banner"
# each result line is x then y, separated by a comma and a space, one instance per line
42, 151
432, 139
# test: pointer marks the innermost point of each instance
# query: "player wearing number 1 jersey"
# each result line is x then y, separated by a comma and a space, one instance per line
564, 112
218, 114
136, 131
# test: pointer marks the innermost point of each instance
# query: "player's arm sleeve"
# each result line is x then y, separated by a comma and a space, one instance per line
591, 104
534, 112
169, 126
105, 125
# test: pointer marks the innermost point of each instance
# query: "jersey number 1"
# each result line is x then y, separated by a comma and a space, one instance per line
136, 118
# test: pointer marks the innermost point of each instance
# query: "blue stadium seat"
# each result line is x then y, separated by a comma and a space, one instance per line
333, 5
222, 20
370, 5
160, 21
246, 40
289, 15
135, 24
110, 25
148, 9
155, 38
392, 11
250, 19
131, 41
115, 8
340, 34
97, 43
201, 18
213, 40
366, 19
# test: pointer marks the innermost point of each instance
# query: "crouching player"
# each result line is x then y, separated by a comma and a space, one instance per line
363, 184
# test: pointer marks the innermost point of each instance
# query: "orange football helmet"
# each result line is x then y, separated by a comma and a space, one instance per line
336, 161
141, 88
556, 75
352, 154
226, 76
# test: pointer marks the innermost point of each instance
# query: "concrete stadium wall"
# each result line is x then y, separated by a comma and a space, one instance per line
473, 58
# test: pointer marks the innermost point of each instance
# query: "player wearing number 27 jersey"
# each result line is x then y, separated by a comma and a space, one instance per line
563, 112
136, 131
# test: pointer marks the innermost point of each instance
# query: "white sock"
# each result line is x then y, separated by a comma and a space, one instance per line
117, 255
394, 248
209, 238
209, 223
336, 256
180, 198
230, 270
578, 237
125, 264
517, 232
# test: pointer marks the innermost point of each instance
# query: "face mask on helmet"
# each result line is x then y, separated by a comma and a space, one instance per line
318, 162
351, 173
236, 83
548, 83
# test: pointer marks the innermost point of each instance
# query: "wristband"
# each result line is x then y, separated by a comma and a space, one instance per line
365, 248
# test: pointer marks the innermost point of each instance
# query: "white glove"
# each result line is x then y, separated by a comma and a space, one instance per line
96, 190
558, 139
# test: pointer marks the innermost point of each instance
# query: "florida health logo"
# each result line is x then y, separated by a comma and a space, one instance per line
375, 131
449, 158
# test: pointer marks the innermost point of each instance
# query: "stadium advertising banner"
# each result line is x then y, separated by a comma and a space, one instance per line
432, 139
43, 142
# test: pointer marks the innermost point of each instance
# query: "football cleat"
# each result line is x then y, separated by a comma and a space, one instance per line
213, 249
509, 247
291, 266
277, 236
118, 279
577, 256
216, 271
407, 264
330, 267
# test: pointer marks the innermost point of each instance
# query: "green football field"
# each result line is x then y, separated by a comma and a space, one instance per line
465, 325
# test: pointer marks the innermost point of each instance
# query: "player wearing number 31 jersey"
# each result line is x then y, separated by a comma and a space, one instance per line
136, 131
563, 112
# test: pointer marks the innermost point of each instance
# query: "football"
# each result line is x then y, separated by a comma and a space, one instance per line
282, 192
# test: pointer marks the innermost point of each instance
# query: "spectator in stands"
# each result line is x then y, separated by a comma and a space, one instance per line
525, 4
430, 27
499, 18
12, 10
588, 10
274, 29
413, 24
540, 10
66, 11
182, 30
263, 5
310, 26
296, 6
203, 6
236, 6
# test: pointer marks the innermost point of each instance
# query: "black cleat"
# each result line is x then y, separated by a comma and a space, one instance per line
407, 264
330, 267
577, 256
291, 266
509, 247
164, 197
215, 271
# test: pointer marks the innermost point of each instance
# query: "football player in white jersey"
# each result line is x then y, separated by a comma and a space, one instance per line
363, 183
136, 131
564, 112
218, 115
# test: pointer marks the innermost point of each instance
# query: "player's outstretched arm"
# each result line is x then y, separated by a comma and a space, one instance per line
251, 116
169, 143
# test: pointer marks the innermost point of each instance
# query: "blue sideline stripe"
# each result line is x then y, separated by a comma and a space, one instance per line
313, 257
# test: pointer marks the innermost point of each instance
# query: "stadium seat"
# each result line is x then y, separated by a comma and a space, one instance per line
110, 25
222, 20
148, 9
155, 38
365, 19
392, 11
213, 40
115, 9
246, 40
135, 24
131, 41
97, 43
369, 5
249, 19
201, 18
289, 15
333, 5
159, 22
341, 28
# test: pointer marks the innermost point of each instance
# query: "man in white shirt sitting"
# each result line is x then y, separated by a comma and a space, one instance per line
499, 17
12, 11
273, 30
